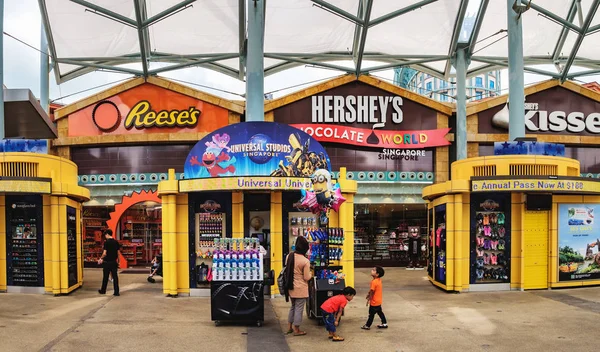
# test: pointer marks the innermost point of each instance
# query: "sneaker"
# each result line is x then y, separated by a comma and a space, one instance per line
364, 327
116, 294
382, 326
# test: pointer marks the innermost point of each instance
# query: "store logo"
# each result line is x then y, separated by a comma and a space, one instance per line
23, 206
556, 121
210, 206
260, 148
142, 116
489, 205
356, 109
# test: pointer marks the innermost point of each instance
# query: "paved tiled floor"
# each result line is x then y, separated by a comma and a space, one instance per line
421, 318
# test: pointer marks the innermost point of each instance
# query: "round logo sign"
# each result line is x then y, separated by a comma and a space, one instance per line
261, 140
106, 116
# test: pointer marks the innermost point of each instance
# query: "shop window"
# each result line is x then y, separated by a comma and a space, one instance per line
492, 84
490, 238
478, 82
430, 243
390, 235
440, 244
428, 86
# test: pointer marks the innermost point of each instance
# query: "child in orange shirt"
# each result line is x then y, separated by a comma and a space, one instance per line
332, 310
375, 299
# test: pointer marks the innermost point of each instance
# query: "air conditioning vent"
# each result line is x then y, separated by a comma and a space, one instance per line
485, 170
533, 170
18, 169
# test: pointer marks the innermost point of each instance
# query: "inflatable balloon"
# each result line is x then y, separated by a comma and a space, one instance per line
338, 199
322, 186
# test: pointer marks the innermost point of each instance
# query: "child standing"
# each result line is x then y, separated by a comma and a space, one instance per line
332, 310
375, 299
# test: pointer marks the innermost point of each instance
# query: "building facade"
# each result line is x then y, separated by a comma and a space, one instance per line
479, 87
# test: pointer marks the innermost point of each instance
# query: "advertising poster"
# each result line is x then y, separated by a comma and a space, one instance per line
256, 149
578, 242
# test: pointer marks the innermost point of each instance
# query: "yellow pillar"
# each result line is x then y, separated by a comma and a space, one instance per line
62, 243
276, 236
47, 227
54, 261
346, 222
237, 214
169, 244
3, 282
183, 244
451, 246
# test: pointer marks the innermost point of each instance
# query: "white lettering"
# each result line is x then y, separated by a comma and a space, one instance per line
357, 109
338, 109
327, 108
576, 122
592, 123
397, 116
351, 114
557, 121
317, 108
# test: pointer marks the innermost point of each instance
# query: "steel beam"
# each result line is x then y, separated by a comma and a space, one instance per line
192, 63
115, 16
310, 62
551, 15
166, 13
477, 28
51, 45
516, 94
564, 32
100, 66
461, 65
363, 36
580, 38
44, 70
345, 14
400, 12
460, 16
242, 39
142, 34
404, 63
255, 65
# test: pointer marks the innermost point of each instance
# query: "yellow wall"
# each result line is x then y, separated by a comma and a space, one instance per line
276, 237
183, 244
2, 243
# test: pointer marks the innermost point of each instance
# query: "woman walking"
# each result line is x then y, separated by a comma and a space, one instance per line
297, 272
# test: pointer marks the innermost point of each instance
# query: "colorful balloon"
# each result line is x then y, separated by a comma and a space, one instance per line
338, 199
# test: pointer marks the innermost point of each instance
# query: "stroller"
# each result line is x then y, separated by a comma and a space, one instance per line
157, 269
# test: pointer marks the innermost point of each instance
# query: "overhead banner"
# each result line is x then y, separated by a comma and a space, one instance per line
580, 185
365, 137
256, 149
246, 183
578, 243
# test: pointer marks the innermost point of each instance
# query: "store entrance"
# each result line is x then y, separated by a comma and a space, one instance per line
390, 235
140, 233
257, 223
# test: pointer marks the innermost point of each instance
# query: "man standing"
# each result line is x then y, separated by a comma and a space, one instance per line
110, 262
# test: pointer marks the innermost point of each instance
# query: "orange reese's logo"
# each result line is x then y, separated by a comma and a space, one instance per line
142, 116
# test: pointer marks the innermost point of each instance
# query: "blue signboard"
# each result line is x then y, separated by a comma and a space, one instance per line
529, 148
256, 149
24, 146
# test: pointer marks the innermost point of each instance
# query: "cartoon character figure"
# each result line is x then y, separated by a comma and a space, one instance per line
219, 142
301, 162
211, 163
321, 181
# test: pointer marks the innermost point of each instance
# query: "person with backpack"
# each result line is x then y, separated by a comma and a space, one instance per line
295, 280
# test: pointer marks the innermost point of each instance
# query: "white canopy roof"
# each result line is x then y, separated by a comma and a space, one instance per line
145, 37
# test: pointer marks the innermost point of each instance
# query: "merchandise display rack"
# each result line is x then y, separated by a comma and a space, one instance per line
92, 241
325, 250
210, 228
25, 262
492, 251
237, 286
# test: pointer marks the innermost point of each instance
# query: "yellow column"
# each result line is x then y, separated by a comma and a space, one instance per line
46, 231
169, 244
3, 243
63, 245
276, 236
451, 246
183, 244
54, 260
237, 214
346, 222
